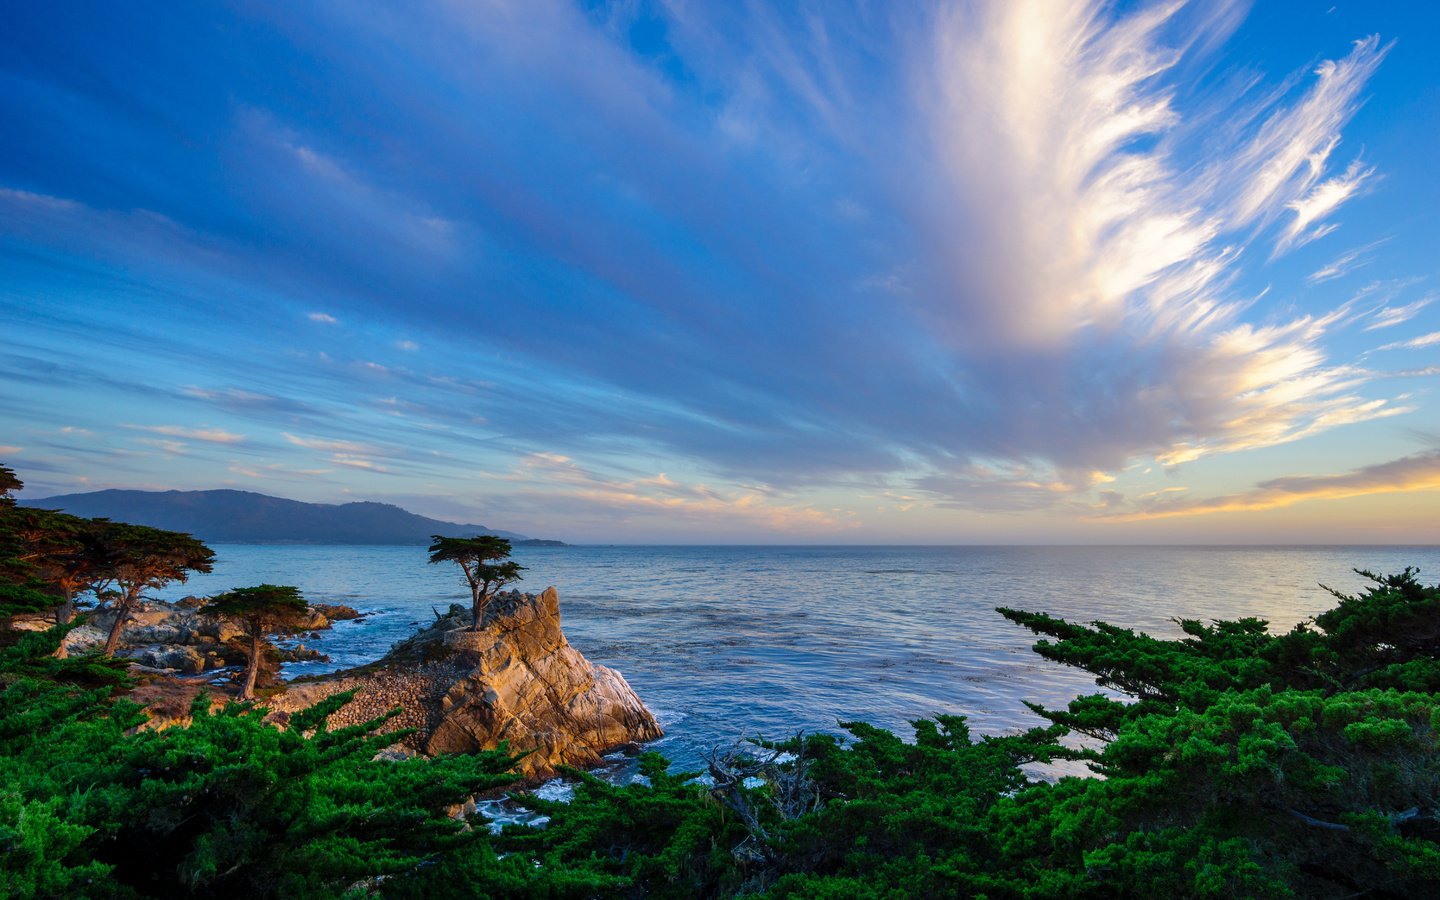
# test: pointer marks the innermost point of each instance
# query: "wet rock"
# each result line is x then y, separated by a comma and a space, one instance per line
337, 613
300, 653
174, 656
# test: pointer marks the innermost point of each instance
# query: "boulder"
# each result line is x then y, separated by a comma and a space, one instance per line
173, 656
314, 620
84, 639
222, 631
300, 653
528, 686
171, 630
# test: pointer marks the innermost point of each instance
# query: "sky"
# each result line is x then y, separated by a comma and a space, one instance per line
973, 272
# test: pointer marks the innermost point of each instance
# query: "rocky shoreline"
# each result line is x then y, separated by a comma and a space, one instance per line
516, 680
177, 639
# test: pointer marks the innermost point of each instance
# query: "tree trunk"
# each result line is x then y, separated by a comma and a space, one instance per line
66, 610
122, 612
63, 614
247, 692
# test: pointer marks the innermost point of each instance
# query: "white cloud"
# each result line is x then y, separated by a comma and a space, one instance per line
329, 446
322, 317
1282, 165
1424, 340
1342, 265
1322, 200
211, 435
1394, 315
174, 448
343, 460
277, 471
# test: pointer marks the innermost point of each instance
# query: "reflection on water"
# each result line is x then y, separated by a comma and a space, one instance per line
722, 642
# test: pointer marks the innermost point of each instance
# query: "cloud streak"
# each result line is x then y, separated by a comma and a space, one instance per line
1419, 472
1394, 315
209, 435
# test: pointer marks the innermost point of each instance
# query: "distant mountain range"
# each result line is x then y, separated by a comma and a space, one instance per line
245, 517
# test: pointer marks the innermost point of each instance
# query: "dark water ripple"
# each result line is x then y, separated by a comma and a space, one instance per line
724, 642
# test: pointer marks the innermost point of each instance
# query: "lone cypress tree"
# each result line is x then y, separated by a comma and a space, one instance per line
480, 559
260, 609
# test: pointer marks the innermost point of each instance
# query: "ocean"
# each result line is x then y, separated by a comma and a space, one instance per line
724, 643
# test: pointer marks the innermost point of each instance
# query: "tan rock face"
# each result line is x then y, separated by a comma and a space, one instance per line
528, 686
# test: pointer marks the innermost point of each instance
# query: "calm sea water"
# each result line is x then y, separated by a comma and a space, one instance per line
728, 642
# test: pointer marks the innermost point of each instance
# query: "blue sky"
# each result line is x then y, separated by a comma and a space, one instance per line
1004, 271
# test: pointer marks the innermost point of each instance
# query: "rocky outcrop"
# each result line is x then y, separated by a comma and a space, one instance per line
531, 688
179, 639
517, 680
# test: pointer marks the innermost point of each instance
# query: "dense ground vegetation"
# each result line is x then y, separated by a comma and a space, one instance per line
1235, 763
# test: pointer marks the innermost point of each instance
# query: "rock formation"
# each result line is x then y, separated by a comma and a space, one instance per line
177, 639
517, 679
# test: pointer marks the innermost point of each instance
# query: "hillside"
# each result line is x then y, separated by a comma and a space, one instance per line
245, 517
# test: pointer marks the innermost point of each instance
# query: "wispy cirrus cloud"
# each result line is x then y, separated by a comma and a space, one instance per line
1341, 266
341, 459
1394, 315
1424, 340
357, 448
1319, 203
209, 435
275, 471
174, 448
1283, 165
